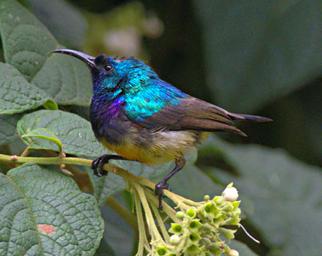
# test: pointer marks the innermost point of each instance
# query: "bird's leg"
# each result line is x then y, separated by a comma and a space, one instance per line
163, 184
98, 163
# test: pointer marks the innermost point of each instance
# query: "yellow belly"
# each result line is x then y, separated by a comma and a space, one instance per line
164, 147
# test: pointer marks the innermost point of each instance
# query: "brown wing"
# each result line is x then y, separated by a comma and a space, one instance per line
193, 114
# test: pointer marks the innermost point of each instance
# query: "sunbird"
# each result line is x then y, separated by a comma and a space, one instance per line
143, 118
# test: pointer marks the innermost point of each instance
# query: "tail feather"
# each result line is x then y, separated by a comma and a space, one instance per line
245, 117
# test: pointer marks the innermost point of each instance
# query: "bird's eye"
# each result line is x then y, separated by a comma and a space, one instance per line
108, 68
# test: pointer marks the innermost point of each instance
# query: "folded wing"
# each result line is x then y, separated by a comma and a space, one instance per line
183, 112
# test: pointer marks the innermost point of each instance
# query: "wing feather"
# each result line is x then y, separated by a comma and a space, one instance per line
161, 106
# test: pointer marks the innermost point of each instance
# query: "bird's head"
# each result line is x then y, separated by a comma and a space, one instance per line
112, 76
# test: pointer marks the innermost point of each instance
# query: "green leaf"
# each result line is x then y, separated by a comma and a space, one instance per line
65, 79
8, 128
71, 30
280, 195
259, 50
73, 131
26, 42
43, 212
16, 94
105, 186
44, 135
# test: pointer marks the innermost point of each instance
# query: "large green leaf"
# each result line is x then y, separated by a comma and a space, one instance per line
66, 79
8, 128
69, 30
17, 94
280, 195
257, 51
26, 42
43, 212
73, 131
41, 136
106, 186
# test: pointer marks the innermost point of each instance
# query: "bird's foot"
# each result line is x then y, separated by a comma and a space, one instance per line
98, 163
159, 191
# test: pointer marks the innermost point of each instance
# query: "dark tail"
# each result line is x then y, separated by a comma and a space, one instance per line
253, 118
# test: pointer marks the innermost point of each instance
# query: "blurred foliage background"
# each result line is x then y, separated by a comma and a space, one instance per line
260, 57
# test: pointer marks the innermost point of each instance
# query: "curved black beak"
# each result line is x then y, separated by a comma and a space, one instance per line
88, 59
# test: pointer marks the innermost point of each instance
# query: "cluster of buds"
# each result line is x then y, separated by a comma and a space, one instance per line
205, 228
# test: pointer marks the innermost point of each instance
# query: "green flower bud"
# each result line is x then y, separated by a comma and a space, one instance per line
175, 228
237, 211
206, 198
236, 204
228, 207
228, 233
218, 200
180, 215
192, 213
194, 237
175, 239
162, 250
219, 215
214, 249
194, 224
209, 208
233, 220
193, 250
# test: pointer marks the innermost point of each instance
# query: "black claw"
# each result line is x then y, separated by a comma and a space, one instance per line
159, 191
98, 163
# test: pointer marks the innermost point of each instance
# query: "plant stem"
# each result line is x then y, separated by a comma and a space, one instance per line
166, 208
25, 152
148, 214
160, 223
141, 226
86, 162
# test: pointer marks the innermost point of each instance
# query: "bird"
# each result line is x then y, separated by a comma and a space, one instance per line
140, 117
